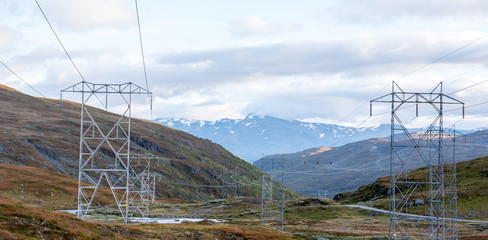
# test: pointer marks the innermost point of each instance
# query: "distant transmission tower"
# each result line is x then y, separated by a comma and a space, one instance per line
229, 183
141, 191
272, 200
322, 193
270, 211
432, 148
105, 153
152, 184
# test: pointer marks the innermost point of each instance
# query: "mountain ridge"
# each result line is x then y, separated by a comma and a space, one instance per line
255, 135
348, 167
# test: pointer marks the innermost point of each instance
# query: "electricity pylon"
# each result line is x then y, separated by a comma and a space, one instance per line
229, 183
273, 200
140, 191
432, 148
105, 153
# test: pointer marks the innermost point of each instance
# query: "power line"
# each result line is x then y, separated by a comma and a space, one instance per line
181, 183
455, 109
359, 168
466, 72
15, 74
317, 156
361, 105
411, 72
142, 47
65, 51
450, 110
462, 89
357, 109
474, 85
415, 70
144, 62
22, 79
339, 168
356, 168
437, 60
469, 106
442, 57
59, 40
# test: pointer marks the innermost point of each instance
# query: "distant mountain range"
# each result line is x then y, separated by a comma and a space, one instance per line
347, 167
253, 136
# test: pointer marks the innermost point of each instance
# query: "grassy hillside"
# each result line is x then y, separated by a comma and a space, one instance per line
43, 189
36, 132
472, 189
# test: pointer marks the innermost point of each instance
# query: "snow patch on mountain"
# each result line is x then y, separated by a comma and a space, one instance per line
255, 135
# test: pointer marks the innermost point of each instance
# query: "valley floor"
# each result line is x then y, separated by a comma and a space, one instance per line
304, 219
30, 199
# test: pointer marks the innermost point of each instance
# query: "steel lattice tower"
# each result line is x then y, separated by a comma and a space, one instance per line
105, 153
152, 184
433, 148
272, 200
229, 183
140, 180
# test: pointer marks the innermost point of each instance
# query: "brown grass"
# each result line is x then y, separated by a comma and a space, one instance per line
44, 189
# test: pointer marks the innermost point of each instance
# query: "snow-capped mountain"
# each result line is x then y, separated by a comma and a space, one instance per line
254, 136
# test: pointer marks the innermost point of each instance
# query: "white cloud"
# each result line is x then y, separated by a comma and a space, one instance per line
392, 55
278, 59
200, 105
255, 25
89, 14
388, 12
7, 35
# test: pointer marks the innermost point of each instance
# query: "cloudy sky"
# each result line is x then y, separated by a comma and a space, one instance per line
310, 60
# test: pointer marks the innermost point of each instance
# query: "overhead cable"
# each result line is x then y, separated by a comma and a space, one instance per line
59, 40
474, 85
142, 46
22, 79
442, 57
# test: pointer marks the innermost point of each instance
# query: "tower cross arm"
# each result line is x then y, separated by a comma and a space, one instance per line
123, 88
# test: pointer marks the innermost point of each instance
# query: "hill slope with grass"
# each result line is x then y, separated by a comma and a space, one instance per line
36, 132
472, 190
43, 188
29, 195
